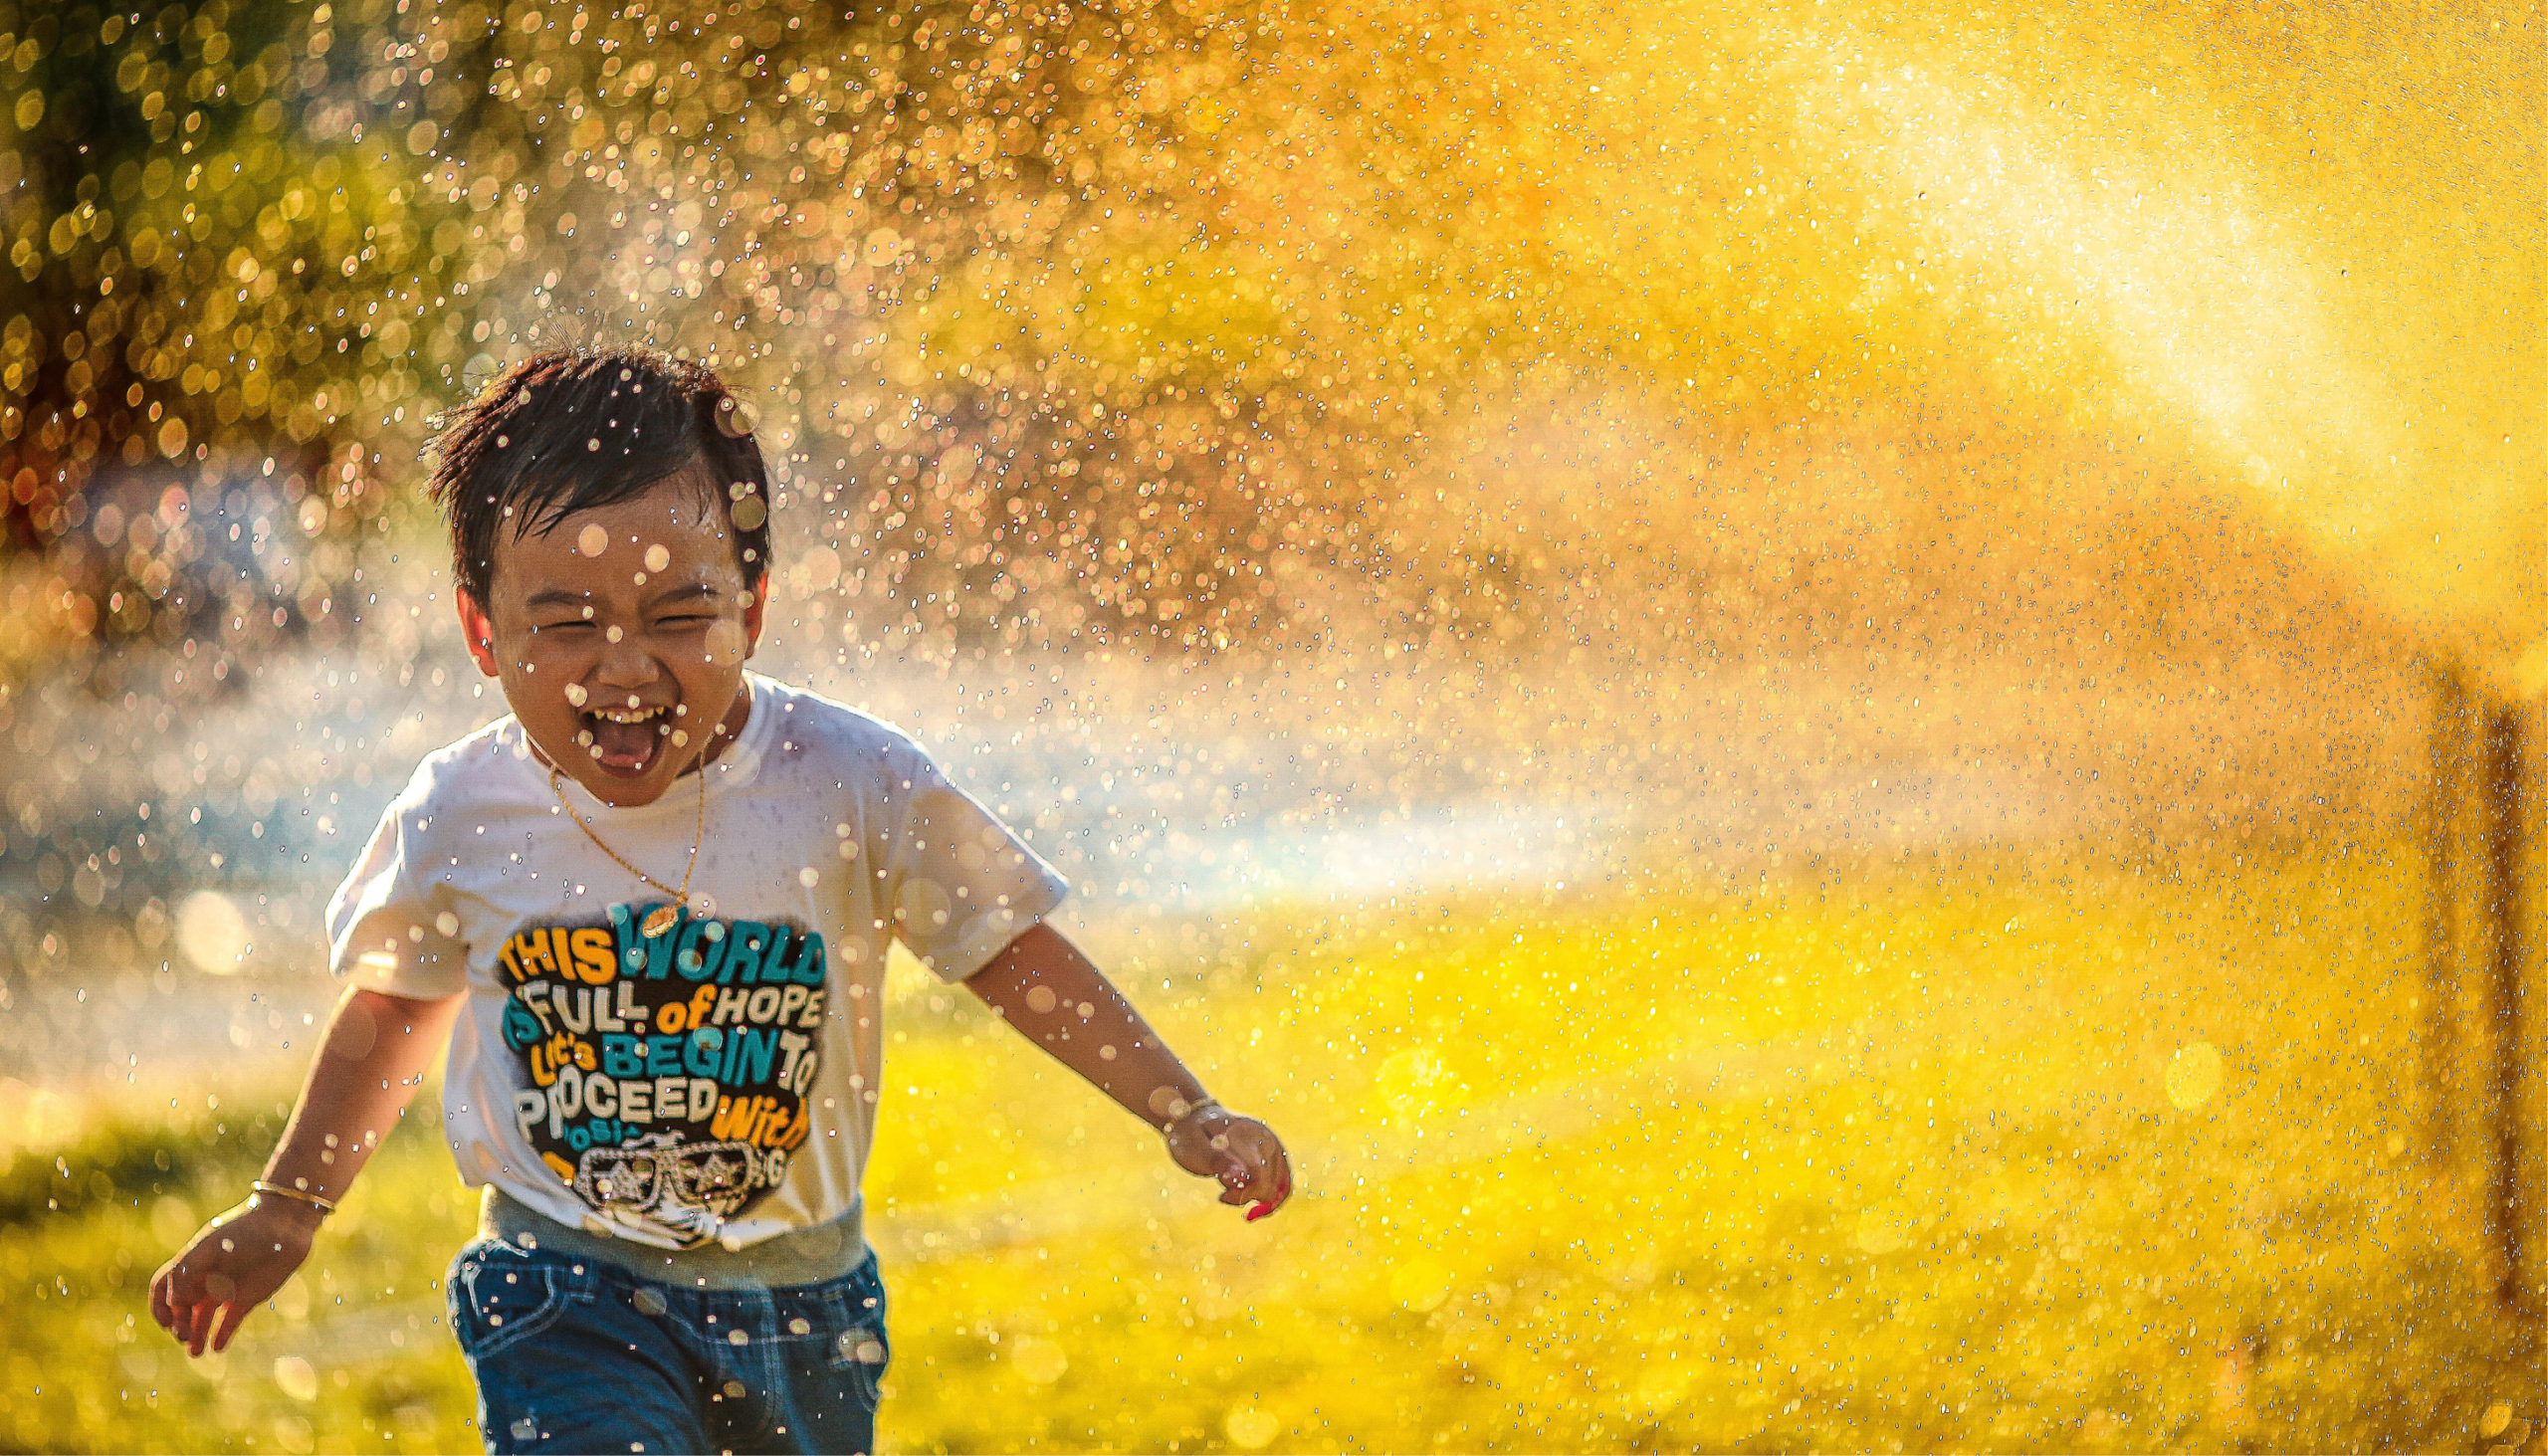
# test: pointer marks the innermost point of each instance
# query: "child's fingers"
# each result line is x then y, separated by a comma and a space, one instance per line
211, 1295
1265, 1157
231, 1317
180, 1306
1267, 1179
1281, 1168
199, 1331
1249, 1163
220, 1299
1234, 1176
1278, 1170
160, 1313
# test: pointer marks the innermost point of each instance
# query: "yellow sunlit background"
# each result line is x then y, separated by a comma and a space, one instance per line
1836, 703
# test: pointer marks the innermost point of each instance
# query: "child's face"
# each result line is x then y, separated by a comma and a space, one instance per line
621, 636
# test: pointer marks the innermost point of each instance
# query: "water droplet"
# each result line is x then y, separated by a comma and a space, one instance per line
1422, 1284
299, 1380
657, 557
592, 540
726, 642
1882, 1231
2194, 1075
648, 1301
1251, 1429
212, 931
1040, 1361
524, 1429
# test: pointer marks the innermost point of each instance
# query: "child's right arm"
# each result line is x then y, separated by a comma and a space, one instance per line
376, 1049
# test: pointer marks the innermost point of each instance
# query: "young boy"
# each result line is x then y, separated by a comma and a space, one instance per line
651, 909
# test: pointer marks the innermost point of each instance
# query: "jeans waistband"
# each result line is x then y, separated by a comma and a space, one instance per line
814, 1255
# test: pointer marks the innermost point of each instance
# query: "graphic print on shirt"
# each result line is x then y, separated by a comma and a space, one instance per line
664, 1078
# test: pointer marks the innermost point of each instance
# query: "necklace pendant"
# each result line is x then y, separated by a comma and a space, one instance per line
657, 920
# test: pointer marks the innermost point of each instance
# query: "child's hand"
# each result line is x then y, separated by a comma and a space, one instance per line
236, 1264
1212, 1142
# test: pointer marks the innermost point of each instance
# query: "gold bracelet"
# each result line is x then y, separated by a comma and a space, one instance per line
1191, 1107
323, 1205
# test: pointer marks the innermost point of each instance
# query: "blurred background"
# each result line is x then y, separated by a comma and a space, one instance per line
1837, 703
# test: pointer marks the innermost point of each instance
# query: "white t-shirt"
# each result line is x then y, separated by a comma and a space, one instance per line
717, 1082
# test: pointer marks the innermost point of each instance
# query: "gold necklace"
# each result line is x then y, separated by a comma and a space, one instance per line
663, 916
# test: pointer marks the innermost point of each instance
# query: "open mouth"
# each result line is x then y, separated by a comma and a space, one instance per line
625, 741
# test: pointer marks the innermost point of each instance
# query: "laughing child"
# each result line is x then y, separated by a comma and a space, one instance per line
650, 911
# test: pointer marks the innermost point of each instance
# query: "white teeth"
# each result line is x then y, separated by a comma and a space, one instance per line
622, 714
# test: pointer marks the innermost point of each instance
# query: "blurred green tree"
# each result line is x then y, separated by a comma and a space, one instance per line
292, 231
205, 256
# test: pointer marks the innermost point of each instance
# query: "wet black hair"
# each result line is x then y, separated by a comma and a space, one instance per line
571, 429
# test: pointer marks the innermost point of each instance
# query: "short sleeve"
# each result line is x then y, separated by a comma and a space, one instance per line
962, 884
388, 928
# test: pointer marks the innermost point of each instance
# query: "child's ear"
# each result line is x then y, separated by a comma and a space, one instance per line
752, 611
479, 632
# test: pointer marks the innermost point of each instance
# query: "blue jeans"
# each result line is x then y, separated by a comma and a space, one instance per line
573, 1354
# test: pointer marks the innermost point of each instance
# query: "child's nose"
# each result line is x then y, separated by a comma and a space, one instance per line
627, 664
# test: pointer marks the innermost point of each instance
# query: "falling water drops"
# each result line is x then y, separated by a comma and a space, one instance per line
1706, 649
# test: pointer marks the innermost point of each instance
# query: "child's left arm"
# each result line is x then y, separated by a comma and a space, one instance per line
1055, 998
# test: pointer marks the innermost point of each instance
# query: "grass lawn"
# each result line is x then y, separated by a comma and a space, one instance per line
1903, 1158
